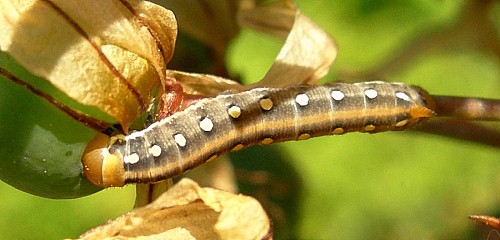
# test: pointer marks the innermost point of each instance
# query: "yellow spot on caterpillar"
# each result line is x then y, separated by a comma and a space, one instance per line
304, 136
401, 123
234, 111
237, 147
267, 141
369, 128
213, 157
338, 131
266, 104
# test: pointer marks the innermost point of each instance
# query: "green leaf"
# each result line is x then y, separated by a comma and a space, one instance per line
40, 147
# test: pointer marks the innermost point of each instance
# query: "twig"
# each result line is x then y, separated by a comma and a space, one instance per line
463, 130
478, 109
91, 122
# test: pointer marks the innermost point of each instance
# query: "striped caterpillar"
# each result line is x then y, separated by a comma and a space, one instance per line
231, 122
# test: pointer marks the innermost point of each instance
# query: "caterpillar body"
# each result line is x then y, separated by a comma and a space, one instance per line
230, 122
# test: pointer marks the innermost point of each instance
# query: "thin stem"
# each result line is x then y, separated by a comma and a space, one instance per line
478, 109
91, 122
463, 130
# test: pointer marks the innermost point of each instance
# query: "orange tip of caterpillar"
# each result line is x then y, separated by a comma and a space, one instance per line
418, 111
102, 168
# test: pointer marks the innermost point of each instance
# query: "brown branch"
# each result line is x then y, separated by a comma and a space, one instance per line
478, 109
91, 122
457, 115
463, 130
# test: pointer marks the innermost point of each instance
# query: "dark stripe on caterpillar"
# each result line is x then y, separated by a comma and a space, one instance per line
214, 126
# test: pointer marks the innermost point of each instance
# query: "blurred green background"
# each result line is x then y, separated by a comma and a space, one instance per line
394, 185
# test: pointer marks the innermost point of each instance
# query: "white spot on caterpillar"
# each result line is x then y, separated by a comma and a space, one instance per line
266, 104
403, 96
206, 124
234, 111
371, 93
302, 99
337, 95
180, 139
155, 150
132, 158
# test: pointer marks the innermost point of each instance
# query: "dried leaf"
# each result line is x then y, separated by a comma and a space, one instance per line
217, 174
257, 17
107, 54
204, 84
487, 220
211, 22
145, 193
204, 213
308, 51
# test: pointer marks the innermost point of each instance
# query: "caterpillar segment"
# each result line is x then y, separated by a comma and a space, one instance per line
231, 122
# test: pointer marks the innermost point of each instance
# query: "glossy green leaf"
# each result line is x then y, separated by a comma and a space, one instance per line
40, 147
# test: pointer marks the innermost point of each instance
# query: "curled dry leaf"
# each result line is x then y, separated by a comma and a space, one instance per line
305, 57
211, 22
487, 220
187, 211
204, 84
107, 54
308, 51
219, 174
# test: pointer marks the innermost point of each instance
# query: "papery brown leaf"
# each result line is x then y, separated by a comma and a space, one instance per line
100, 53
146, 193
211, 22
308, 51
258, 17
162, 25
487, 220
204, 84
217, 174
204, 213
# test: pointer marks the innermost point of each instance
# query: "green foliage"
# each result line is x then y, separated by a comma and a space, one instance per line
41, 147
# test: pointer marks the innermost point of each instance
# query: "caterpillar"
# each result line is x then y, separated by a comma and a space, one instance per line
233, 121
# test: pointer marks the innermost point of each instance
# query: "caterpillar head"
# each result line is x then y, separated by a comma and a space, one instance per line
100, 166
